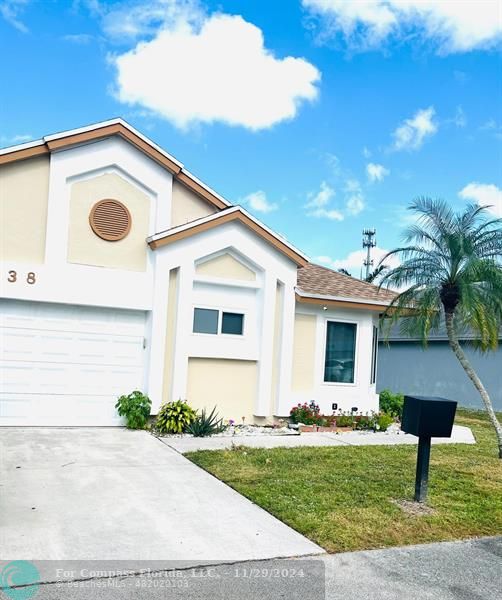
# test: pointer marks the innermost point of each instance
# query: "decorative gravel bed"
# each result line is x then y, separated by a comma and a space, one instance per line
257, 430
245, 430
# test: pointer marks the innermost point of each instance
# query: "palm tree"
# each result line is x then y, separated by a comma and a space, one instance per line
451, 270
376, 273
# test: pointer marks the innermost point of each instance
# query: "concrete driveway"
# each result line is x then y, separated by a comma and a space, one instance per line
118, 495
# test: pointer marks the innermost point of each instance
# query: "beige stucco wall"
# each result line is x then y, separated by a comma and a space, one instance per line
225, 266
24, 191
187, 206
85, 247
304, 352
172, 310
230, 385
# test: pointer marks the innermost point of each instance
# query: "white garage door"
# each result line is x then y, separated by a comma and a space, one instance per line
66, 365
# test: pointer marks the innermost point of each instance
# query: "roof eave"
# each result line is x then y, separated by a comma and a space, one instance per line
327, 300
229, 214
91, 133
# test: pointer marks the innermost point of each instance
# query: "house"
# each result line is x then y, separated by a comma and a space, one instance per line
404, 365
122, 271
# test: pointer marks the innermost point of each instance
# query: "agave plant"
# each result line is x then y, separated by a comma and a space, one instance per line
206, 424
451, 272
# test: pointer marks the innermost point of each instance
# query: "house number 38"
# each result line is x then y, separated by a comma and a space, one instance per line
31, 278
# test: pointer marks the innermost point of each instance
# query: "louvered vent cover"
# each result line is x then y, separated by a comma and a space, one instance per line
110, 220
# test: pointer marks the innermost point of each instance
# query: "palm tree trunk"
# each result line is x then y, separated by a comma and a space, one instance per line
462, 359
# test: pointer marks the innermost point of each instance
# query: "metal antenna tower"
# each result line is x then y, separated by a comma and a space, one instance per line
369, 242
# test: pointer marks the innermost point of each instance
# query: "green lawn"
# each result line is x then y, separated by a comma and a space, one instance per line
341, 498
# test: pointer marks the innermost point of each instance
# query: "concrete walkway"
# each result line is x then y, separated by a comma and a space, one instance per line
460, 435
111, 494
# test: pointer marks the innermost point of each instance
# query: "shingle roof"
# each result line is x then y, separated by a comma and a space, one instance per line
321, 281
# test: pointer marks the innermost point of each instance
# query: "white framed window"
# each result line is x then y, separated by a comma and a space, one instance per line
213, 321
340, 352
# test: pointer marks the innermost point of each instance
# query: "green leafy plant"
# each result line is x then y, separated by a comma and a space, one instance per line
347, 420
366, 422
206, 424
174, 417
135, 408
391, 403
383, 421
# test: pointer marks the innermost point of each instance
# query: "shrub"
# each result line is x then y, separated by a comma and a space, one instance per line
206, 424
135, 408
174, 417
366, 422
383, 421
391, 403
306, 414
345, 420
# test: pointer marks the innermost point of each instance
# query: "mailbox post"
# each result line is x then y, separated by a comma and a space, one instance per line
426, 417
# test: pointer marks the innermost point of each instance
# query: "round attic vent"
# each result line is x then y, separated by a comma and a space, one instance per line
110, 220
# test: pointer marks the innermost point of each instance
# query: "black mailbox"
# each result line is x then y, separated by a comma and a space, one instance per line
428, 416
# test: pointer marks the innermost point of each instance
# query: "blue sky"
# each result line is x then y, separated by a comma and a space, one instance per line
322, 117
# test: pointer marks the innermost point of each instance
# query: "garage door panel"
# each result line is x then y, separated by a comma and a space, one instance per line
19, 345
59, 410
40, 378
67, 365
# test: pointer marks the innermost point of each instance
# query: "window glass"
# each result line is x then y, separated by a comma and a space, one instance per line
205, 320
374, 353
232, 323
340, 352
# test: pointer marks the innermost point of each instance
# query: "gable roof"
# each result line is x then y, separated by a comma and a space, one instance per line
114, 127
316, 284
234, 213
320, 285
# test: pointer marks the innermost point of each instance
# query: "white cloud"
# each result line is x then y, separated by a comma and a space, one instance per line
460, 120
376, 172
12, 140
413, 132
258, 202
485, 195
352, 186
140, 19
324, 260
78, 38
213, 69
322, 198
333, 163
451, 25
11, 10
492, 127
354, 200
366, 152
317, 205
354, 261
355, 204
461, 76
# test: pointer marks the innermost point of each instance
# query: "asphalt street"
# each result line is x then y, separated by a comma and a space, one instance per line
467, 570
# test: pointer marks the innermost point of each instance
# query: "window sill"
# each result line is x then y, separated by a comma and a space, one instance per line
339, 384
